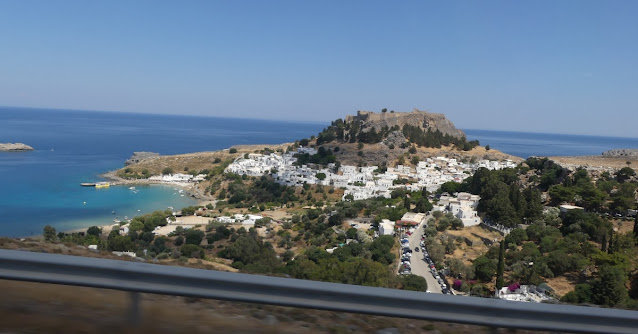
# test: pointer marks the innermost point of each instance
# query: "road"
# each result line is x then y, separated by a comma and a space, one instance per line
418, 264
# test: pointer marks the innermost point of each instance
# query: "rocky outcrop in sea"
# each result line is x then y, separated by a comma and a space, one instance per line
633, 153
15, 147
140, 156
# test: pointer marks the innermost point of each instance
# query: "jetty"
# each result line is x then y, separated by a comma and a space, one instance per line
98, 184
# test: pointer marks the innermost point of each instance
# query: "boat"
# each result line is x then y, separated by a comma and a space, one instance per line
131, 188
102, 185
87, 184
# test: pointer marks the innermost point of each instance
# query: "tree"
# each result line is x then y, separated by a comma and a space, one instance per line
487, 147
49, 234
406, 203
351, 233
500, 268
516, 236
190, 250
232, 150
580, 295
609, 288
624, 174
167, 171
414, 283
636, 226
484, 268
120, 243
321, 176
94, 230
423, 205
534, 210
384, 110
194, 237
449, 187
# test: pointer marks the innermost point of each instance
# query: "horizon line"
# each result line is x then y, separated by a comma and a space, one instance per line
327, 123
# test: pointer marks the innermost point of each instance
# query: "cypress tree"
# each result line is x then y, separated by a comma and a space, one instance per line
610, 248
603, 244
636, 226
500, 267
406, 203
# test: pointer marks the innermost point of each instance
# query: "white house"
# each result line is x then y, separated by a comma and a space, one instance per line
386, 227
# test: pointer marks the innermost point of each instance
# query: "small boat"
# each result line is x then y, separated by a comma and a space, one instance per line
131, 188
113, 212
102, 185
86, 184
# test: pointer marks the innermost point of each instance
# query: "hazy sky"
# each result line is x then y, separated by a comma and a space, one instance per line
539, 66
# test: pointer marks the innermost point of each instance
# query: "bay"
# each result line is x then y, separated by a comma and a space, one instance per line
42, 187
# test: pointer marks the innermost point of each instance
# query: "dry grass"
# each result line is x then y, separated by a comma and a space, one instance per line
468, 253
596, 161
563, 284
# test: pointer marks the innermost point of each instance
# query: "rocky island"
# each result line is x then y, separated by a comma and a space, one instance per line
14, 147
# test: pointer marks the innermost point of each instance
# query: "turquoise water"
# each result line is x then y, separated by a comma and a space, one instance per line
43, 187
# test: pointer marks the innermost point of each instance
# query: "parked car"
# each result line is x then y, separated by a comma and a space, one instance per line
416, 249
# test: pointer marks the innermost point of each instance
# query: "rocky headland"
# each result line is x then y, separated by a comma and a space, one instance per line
423, 119
15, 147
141, 156
630, 153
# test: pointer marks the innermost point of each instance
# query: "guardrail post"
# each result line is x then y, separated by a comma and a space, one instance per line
134, 314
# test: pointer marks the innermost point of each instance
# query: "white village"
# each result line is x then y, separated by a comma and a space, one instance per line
360, 182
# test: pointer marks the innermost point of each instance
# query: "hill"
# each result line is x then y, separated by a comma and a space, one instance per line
390, 138
421, 119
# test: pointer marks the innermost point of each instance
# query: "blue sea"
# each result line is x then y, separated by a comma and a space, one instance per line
42, 187
526, 144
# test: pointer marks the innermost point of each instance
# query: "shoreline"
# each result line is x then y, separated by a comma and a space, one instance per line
189, 188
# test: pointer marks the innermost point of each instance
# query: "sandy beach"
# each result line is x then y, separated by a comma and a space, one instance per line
190, 188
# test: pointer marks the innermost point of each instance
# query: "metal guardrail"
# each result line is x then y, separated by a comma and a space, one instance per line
179, 281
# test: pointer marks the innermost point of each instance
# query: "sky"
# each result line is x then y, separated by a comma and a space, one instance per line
536, 66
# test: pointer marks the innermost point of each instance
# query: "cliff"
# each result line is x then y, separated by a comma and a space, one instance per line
141, 156
14, 147
621, 153
422, 119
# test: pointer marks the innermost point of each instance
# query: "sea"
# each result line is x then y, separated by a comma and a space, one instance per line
42, 187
